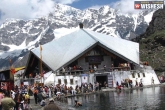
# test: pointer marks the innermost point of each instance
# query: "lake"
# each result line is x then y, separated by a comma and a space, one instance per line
152, 98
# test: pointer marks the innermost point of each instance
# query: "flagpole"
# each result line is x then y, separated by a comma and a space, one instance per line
10, 62
41, 62
12, 72
12, 69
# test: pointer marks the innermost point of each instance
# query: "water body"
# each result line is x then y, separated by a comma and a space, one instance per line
152, 98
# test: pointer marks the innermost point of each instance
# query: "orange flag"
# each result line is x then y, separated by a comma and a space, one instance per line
13, 70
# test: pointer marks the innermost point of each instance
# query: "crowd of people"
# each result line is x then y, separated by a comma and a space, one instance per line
94, 68
128, 84
13, 100
19, 97
87, 88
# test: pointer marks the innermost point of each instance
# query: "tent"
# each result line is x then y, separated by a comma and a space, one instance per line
49, 78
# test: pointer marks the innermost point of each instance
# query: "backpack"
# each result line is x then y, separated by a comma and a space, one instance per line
27, 96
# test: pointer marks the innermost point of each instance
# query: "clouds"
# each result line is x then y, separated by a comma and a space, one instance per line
27, 9
125, 6
30, 9
65, 1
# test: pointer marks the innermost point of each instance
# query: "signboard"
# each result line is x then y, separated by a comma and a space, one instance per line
84, 78
26, 83
110, 80
94, 59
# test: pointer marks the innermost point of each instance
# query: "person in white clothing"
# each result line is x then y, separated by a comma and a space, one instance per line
49, 90
95, 68
13, 94
152, 80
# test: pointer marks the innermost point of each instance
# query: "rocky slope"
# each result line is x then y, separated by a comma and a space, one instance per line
152, 42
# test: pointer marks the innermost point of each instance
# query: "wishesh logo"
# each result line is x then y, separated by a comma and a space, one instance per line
137, 6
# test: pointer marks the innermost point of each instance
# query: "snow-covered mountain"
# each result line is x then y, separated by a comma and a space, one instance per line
21, 35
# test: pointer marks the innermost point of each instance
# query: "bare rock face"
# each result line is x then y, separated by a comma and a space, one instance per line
4, 48
152, 42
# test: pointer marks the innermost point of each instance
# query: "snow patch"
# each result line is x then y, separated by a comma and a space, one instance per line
127, 36
135, 20
15, 47
63, 31
106, 9
148, 17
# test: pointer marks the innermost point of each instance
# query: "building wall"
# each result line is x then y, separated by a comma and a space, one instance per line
117, 76
76, 80
146, 80
107, 61
83, 64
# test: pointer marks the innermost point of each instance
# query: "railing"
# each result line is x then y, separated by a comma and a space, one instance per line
21, 78
98, 70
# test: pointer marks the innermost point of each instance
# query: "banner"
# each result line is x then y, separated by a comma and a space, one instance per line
84, 78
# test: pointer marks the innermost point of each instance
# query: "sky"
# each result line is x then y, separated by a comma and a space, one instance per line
84, 4
31, 9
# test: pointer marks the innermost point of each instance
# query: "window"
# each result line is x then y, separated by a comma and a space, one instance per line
133, 75
139, 75
71, 81
144, 75
65, 81
59, 81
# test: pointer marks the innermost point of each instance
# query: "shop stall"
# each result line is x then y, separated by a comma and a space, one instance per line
6, 80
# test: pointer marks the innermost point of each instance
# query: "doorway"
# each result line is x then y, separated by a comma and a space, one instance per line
101, 79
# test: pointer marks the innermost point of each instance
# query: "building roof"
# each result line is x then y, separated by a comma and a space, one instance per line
62, 51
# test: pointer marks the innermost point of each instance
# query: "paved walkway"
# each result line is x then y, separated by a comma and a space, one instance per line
33, 105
